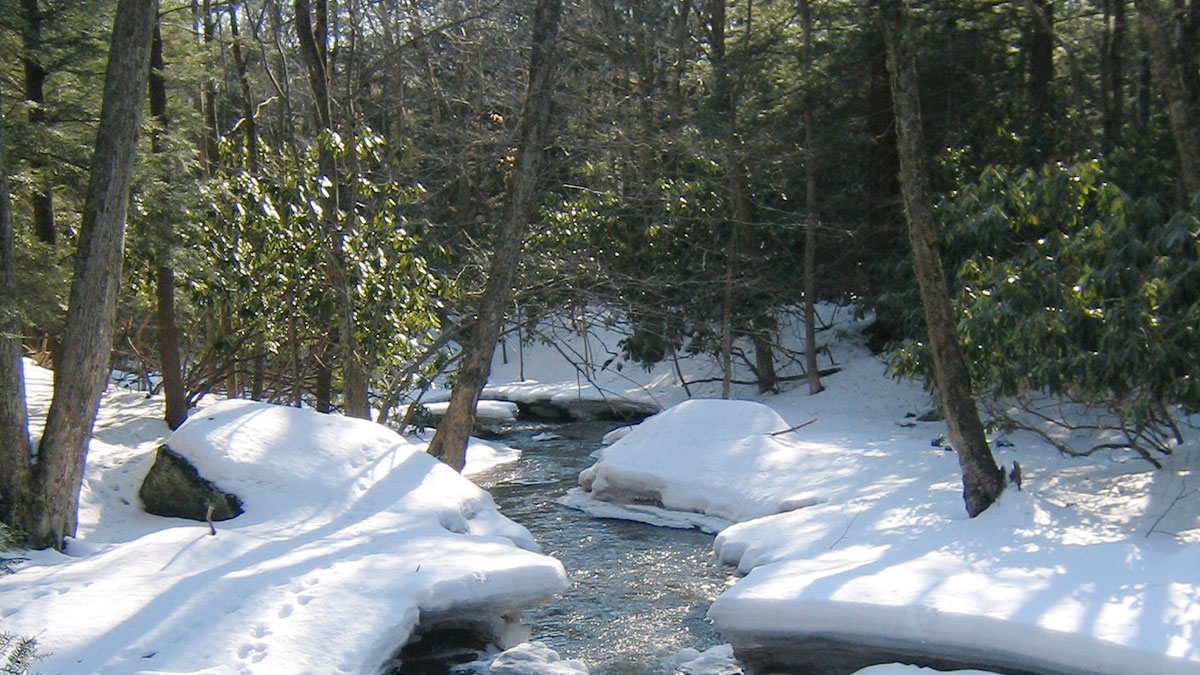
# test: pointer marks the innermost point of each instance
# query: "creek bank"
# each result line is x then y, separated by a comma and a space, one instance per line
637, 595
506, 403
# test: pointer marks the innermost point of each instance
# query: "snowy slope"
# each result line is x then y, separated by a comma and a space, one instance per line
351, 535
853, 528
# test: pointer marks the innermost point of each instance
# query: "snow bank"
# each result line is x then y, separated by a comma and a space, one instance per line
719, 459
351, 534
852, 530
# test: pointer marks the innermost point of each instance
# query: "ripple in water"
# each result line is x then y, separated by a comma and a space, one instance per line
638, 593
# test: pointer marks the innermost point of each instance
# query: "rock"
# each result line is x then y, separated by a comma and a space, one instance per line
174, 488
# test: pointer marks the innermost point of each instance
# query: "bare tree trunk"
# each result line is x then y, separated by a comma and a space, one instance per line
1041, 75
164, 244
810, 223
208, 98
313, 47
35, 83
449, 443
18, 490
983, 481
1112, 76
1171, 71
83, 365
249, 126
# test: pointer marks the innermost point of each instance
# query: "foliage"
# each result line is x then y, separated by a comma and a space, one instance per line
18, 654
1071, 287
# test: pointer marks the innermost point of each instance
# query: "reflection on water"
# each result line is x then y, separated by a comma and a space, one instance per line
638, 593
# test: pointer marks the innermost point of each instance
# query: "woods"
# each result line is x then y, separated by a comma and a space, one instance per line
327, 198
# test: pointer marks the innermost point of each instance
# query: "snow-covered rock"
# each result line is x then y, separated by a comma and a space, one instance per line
351, 536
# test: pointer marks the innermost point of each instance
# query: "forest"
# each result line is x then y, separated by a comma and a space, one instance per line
326, 196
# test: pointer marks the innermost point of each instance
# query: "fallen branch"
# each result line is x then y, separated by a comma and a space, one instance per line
788, 431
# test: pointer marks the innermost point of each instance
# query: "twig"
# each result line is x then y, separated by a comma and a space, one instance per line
788, 431
845, 531
1183, 491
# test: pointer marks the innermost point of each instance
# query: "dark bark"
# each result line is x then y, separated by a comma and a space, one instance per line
35, 85
449, 443
983, 481
1171, 71
1041, 75
208, 99
311, 29
18, 492
83, 364
1112, 72
810, 222
249, 123
174, 390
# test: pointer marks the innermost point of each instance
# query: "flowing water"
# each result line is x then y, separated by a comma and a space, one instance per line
638, 593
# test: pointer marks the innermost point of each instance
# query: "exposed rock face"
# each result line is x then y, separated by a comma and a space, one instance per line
175, 489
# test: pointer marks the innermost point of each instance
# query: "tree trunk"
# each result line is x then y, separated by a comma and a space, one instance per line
35, 84
1112, 74
164, 243
83, 365
810, 222
1041, 75
249, 123
18, 492
983, 481
1170, 70
208, 99
313, 47
449, 443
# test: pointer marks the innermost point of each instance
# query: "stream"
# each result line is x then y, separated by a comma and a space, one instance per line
638, 593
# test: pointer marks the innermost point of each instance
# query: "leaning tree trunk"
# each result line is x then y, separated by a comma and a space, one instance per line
1170, 69
983, 481
81, 370
449, 443
169, 362
18, 492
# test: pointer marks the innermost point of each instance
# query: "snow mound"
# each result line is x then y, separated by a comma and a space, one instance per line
725, 460
535, 659
717, 660
351, 533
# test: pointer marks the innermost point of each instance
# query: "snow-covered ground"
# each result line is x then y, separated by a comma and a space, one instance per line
849, 527
852, 529
351, 535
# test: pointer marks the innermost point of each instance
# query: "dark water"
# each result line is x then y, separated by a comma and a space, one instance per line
638, 593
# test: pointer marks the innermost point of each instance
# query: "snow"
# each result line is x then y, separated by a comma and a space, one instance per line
853, 528
535, 659
351, 535
717, 660
485, 410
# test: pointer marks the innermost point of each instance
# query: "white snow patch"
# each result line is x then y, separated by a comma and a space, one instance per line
350, 534
718, 660
534, 658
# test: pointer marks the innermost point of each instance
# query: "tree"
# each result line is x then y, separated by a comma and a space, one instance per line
314, 48
164, 242
810, 224
1175, 71
983, 481
15, 450
35, 85
43, 496
449, 443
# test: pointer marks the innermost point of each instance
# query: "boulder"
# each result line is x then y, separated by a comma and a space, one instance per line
175, 489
